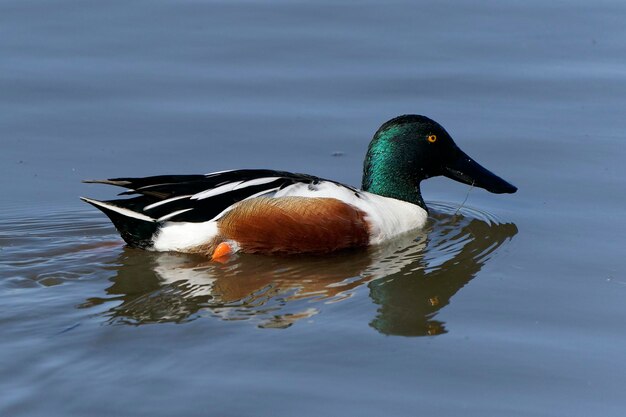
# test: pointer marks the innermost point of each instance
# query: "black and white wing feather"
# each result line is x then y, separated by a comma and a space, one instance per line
200, 198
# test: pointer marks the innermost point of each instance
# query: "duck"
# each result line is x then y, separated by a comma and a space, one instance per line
272, 212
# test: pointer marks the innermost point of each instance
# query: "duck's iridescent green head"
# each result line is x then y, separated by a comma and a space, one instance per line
411, 148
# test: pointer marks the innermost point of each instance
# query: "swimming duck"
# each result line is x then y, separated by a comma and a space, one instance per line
276, 212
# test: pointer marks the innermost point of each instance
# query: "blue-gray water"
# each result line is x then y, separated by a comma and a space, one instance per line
512, 307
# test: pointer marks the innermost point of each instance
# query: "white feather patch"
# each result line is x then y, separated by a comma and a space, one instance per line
257, 181
169, 216
182, 236
215, 191
212, 174
120, 210
160, 203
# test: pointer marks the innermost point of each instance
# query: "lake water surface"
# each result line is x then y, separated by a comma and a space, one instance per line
513, 305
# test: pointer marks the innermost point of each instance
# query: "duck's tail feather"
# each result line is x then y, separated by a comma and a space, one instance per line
136, 229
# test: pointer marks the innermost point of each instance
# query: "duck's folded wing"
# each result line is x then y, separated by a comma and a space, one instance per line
199, 198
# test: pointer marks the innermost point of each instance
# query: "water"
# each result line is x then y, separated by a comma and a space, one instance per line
514, 306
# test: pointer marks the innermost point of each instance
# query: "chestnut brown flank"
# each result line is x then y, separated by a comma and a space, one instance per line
294, 225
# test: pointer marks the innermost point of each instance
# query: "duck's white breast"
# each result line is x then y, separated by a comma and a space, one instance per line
387, 217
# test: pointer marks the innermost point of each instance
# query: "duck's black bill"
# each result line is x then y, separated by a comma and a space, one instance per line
464, 169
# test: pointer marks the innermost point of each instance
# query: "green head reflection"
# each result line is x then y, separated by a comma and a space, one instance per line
410, 298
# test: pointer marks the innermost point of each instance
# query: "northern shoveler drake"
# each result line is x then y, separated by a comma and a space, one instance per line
276, 212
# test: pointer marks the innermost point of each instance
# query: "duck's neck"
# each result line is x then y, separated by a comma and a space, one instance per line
387, 172
395, 190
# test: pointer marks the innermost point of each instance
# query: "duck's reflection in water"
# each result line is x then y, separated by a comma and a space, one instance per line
410, 279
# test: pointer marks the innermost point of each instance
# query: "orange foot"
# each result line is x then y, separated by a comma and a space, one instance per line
222, 252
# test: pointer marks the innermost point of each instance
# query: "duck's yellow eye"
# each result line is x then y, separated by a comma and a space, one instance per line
432, 138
